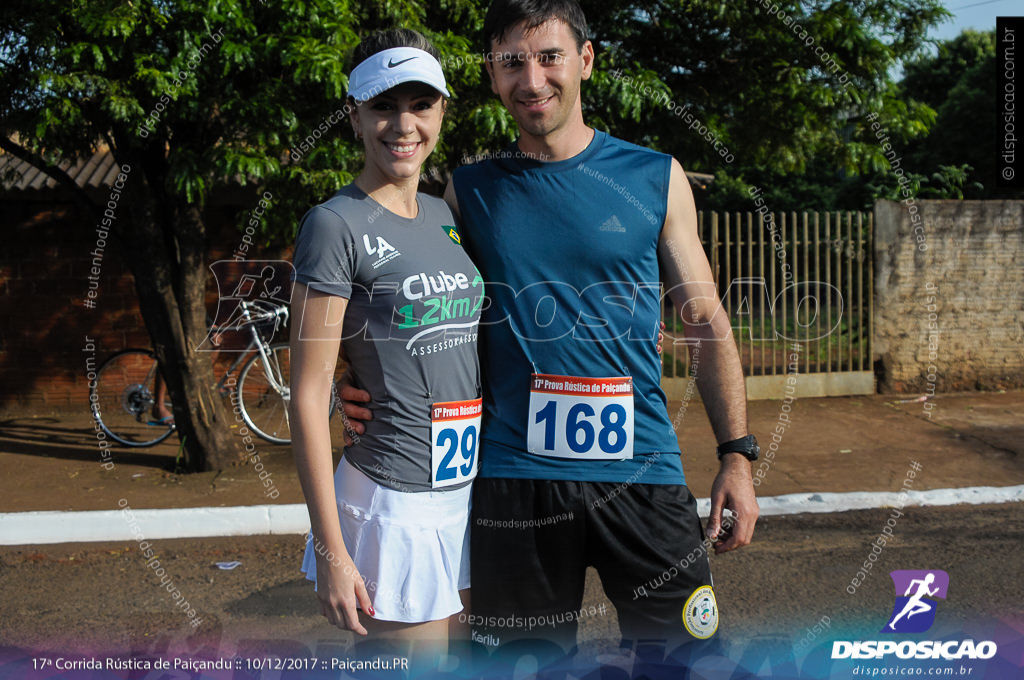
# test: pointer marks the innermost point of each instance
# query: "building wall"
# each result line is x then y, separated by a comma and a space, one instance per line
46, 260
961, 262
949, 295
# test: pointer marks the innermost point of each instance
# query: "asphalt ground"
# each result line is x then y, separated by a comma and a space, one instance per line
76, 600
100, 598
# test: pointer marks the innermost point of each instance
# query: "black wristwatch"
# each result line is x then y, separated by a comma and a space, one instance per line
747, 446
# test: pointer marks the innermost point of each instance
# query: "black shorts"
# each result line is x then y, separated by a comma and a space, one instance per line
532, 541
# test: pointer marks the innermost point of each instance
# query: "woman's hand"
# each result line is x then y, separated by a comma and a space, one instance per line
340, 589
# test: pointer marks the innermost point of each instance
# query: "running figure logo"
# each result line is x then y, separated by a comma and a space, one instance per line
916, 595
268, 281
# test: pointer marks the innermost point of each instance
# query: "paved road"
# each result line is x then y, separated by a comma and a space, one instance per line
85, 598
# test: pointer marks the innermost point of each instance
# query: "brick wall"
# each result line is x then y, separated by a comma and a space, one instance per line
949, 295
970, 261
45, 263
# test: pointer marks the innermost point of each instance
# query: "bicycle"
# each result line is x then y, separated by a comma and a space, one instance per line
123, 395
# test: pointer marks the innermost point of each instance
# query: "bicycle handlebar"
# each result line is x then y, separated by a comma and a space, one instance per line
252, 311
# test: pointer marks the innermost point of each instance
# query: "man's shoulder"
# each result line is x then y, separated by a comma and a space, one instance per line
642, 165
480, 164
464, 172
618, 145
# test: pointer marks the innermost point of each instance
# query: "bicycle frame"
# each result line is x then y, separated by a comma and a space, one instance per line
262, 347
134, 396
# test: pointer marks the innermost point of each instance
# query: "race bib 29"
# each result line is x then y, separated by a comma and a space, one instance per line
455, 439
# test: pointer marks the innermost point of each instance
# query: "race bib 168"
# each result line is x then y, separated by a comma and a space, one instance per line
572, 417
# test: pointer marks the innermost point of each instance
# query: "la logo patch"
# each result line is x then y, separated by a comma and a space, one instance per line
382, 246
384, 251
700, 615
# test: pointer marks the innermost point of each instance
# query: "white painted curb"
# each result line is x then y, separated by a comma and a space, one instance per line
21, 528
38, 528
797, 503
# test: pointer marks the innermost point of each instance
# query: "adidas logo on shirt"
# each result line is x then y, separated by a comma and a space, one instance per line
612, 224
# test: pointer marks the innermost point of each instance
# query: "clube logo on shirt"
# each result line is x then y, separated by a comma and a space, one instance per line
384, 251
439, 305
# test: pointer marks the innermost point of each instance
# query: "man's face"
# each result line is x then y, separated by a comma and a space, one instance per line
537, 74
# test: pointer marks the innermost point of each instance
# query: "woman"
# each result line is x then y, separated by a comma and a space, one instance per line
379, 271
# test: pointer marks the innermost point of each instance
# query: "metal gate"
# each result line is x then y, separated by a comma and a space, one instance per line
798, 291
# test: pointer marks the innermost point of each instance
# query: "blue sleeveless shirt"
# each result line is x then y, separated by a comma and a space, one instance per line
568, 251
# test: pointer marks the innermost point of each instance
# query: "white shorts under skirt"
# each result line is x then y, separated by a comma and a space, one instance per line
412, 549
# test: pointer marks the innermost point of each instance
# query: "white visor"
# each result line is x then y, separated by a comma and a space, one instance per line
389, 68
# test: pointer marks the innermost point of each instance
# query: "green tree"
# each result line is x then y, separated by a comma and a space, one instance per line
959, 82
192, 95
783, 86
781, 83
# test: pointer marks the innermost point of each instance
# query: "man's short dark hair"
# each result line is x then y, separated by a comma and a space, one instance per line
503, 15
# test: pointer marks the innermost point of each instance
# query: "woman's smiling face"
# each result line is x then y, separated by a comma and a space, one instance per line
400, 128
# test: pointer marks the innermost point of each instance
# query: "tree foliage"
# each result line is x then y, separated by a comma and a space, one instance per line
952, 157
198, 95
959, 82
780, 83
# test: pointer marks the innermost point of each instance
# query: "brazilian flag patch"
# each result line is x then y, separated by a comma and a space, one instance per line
452, 232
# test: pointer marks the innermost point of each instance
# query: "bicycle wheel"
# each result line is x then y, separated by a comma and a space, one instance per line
122, 399
263, 394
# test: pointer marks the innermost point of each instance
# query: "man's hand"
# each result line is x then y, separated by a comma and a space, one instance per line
733, 488
353, 413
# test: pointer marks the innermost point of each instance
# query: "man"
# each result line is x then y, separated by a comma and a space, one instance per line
579, 463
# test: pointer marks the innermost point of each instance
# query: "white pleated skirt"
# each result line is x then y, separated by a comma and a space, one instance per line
412, 549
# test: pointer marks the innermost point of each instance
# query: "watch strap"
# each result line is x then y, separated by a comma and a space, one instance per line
744, 445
